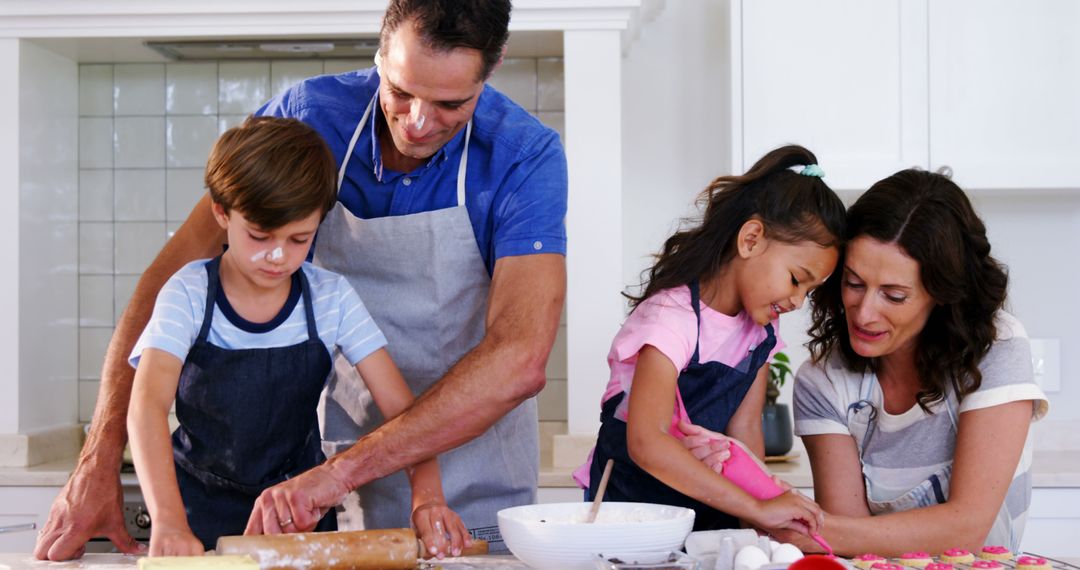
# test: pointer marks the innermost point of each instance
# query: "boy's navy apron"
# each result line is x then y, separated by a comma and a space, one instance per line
247, 420
424, 281
711, 392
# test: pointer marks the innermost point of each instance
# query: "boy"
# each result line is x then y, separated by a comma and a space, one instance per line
243, 343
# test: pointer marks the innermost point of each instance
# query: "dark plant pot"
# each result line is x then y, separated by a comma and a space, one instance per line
776, 426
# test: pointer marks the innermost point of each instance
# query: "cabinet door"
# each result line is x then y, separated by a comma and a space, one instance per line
845, 78
1005, 92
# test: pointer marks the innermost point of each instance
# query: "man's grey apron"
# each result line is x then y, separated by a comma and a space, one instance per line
934, 490
423, 280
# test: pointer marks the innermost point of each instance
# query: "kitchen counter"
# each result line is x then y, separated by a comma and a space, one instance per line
1056, 469
105, 561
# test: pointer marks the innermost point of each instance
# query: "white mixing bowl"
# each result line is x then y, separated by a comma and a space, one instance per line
555, 536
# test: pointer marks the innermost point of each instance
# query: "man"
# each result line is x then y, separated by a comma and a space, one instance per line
450, 226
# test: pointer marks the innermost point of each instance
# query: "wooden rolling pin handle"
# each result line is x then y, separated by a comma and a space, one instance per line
478, 547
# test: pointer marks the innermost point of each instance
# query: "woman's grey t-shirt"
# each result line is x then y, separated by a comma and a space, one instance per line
907, 448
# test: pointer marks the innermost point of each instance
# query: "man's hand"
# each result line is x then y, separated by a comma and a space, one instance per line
710, 447
298, 504
89, 505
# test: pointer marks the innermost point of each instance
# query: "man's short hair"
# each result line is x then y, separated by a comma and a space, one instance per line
272, 170
448, 24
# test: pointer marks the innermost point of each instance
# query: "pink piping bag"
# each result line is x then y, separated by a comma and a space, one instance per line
744, 470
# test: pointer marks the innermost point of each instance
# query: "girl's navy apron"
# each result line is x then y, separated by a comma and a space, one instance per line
247, 419
711, 392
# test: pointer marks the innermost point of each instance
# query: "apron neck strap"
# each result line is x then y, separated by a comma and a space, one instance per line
462, 164
213, 284
309, 309
695, 302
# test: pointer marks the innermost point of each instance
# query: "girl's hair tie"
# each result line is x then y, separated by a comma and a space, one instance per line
812, 170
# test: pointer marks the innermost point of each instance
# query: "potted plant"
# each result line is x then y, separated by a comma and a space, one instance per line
775, 418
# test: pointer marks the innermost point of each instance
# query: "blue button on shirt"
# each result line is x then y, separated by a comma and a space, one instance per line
515, 183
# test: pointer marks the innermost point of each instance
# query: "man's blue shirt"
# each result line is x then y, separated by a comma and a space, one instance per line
515, 184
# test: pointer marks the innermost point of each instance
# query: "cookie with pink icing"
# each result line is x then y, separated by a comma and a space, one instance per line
987, 565
1032, 563
995, 553
957, 556
939, 566
886, 566
916, 559
866, 561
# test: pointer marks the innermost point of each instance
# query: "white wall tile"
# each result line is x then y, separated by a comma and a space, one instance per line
92, 345
516, 78
95, 90
556, 364
123, 287
140, 195
139, 89
88, 391
555, 120
137, 243
550, 86
183, 187
96, 142
96, 301
551, 401
188, 140
284, 74
226, 122
335, 66
191, 88
96, 195
140, 142
243, 86
95, 248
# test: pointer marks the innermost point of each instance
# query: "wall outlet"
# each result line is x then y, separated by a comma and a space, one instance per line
1046, 363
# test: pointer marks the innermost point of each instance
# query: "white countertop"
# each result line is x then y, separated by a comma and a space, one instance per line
1050, 469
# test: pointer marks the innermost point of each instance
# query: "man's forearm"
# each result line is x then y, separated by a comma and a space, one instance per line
459, 408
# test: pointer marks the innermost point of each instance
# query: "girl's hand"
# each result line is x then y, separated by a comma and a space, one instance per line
709, 447
172, 541
792, 511
440, 529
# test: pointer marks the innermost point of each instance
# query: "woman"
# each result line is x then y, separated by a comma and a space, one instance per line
916, 405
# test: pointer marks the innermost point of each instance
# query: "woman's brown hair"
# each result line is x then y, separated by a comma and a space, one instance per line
273, 170
793, 208
932, 221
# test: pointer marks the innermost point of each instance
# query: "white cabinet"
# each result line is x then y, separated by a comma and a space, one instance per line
988, 88
1053, 523
21, 505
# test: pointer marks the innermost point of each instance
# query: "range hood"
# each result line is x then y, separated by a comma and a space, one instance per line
270, 48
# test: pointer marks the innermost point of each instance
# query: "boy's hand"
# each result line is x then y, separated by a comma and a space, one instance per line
441, 530
172, 541
710, 447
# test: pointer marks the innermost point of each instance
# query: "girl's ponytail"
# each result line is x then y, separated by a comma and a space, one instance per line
794, 207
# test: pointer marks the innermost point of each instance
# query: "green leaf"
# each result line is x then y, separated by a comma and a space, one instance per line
781, 357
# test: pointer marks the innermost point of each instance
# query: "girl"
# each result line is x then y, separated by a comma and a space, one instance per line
243, 344
694, 348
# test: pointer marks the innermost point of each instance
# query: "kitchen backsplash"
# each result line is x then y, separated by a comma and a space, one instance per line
145, 131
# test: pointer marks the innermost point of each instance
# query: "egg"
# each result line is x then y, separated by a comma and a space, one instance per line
786, 554
750, 558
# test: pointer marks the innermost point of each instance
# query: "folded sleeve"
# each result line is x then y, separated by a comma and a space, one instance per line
173, 326
655, 322
1007, 376
819, 403
358, 335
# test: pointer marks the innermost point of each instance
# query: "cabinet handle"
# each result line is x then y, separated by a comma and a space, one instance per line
945, 171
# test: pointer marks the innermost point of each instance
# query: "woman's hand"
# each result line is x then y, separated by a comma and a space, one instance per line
792, 511
440, 529
709, 447
174, 541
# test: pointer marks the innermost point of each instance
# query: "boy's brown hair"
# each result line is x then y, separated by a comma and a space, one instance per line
273, 170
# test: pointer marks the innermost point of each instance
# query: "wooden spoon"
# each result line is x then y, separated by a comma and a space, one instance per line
595, 509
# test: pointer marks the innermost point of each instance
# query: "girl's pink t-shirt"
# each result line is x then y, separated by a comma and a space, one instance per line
666, 321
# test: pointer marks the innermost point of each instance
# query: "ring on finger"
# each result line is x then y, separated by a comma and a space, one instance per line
285, 522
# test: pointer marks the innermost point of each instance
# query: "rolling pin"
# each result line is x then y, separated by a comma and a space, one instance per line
361, 549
